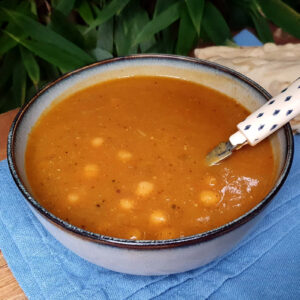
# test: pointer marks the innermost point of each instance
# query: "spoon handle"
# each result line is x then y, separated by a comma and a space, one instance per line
271, 116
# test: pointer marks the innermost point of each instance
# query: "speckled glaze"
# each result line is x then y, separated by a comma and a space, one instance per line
146, 257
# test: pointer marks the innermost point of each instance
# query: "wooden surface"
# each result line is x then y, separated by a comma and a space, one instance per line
9, 287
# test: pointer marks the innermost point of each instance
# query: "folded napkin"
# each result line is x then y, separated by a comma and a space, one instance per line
266, 265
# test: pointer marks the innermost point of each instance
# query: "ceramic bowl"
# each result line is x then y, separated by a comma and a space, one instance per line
147, 257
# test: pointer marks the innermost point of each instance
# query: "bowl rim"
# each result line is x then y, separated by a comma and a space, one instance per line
149, 244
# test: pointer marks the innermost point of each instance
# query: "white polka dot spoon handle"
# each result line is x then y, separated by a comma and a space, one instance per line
271, 116
260, 124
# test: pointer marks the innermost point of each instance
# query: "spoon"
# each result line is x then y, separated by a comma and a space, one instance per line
263, 122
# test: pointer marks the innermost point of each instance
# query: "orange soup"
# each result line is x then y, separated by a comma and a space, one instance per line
126, 158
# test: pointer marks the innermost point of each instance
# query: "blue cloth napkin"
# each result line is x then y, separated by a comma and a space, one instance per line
266, 265
246, 38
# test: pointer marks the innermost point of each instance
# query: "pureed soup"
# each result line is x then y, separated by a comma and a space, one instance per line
126, 158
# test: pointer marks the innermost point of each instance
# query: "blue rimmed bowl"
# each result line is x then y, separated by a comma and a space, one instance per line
146, 257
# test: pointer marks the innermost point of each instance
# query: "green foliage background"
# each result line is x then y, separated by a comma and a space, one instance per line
40, 39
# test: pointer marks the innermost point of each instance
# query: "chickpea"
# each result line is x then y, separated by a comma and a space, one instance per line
209, 197
126, 203
144, 188
124, 156
91, 170
158, 217
97, 142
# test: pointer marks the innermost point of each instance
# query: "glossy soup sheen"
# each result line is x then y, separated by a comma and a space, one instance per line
126, 158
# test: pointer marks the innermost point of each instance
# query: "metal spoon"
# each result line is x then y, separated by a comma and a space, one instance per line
267, 119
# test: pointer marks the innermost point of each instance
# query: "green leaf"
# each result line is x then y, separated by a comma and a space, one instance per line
155, 48
215, 25
25, 8
101, 54
122, 43
161, 5
105, 36
60, 24
282, 15
48, 71
31, 91
85, 12
139, 20
3, 17
6, 43
239, 14
187, 33
33, 7
160, 22
50, 53
262, 27
132, 18
31, 65
195, 9
53, 55
19, 83
65, 6
145, 46
168, 42
9, 3
91, 39
114, 7
46, 35
6, 68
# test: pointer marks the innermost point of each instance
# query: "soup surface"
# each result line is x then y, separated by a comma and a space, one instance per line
126, 158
